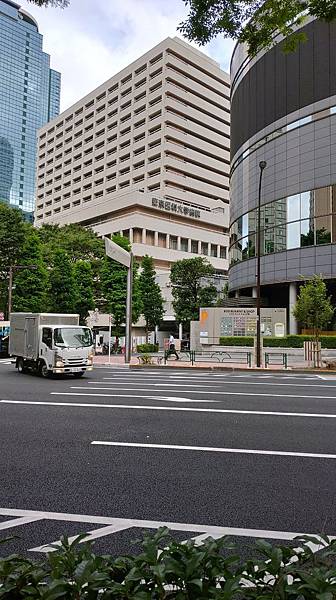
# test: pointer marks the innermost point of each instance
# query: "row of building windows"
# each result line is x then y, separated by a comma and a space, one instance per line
173, 242
305, 219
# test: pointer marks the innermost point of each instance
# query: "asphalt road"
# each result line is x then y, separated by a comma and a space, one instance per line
249, 454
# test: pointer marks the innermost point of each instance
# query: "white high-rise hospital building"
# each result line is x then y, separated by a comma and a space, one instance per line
146, 154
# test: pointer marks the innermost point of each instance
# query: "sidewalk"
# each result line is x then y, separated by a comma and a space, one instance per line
119, 361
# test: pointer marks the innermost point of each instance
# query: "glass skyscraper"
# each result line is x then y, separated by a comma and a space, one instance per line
29, 98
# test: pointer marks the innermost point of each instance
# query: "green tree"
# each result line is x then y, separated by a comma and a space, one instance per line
253, 21
189, 289
114, 288
314, 308
79, 243
151, 296
84, 289
31, 285
54, 3
12, 237
63, 297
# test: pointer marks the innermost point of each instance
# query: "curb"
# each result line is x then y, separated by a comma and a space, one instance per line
244, 369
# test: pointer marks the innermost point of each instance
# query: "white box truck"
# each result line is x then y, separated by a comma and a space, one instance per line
50, 343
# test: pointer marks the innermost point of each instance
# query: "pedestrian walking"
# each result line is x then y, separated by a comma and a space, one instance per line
172, 349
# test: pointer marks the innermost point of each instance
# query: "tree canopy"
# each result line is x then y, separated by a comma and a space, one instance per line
54, 3
314, 308
189, 288
151, 295
253, 21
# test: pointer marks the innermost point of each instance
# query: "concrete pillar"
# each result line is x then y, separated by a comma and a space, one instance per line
121, 232
131, 235
218, 251
179, 242
293, 327
254, 292
209, 249
180, 331
167, 240
144, 236
156, 238
199, 247
189, 244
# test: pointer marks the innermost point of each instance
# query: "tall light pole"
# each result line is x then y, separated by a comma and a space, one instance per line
262, 167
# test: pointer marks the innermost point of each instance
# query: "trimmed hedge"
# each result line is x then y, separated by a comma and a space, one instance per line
290, 341
169, 570
147, 348
236, 341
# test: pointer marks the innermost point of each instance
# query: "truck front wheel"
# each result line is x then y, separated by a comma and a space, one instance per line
43, 370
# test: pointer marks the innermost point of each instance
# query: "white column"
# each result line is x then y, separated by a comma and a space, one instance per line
131, 235
218, 251
293, 327
156, 238
180, 331
167, 240
237, 294
189, 244
179, 242
199, 247
144, 236
121, 232
209, 249
254, 292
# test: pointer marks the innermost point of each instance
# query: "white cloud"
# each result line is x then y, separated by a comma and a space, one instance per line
93, 39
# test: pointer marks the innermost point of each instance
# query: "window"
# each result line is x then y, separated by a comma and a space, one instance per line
222, 252
47, 337
213, 250
194, 246
204, 248
173, 242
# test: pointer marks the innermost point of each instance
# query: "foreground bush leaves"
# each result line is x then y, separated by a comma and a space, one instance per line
166, 569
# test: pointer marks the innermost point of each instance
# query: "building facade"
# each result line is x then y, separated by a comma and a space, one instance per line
145, 154
29, 97
283, 109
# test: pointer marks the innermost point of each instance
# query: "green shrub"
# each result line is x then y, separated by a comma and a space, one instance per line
170, 570
289, 341
147, 348
236, 341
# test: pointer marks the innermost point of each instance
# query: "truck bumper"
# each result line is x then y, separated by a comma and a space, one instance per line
60, 370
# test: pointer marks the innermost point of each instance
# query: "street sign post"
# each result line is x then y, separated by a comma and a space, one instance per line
124, 258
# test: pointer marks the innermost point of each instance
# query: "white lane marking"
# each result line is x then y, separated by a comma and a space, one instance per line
169, 408
210, 530
219, 393
91, 535
18, 522
210, 449
160, 398
295, 385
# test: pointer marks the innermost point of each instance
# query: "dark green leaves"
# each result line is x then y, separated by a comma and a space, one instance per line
169, 570
253, 21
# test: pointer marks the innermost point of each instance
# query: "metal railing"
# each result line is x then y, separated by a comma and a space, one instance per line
281, 358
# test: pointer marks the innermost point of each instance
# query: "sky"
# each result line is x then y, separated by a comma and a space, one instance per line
91, 40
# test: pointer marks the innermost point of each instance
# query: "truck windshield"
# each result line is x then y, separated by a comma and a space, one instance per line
72, 337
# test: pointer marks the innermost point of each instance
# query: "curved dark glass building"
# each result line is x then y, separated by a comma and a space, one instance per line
29, 97
283, 111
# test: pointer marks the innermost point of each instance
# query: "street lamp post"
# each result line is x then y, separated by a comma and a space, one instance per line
262, 167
